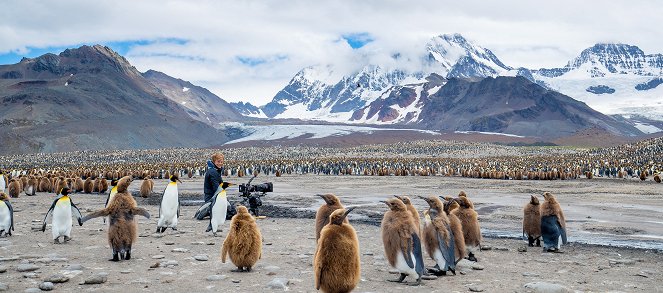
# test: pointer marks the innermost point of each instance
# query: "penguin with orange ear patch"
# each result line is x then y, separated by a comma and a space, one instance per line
244, 242
553, 224
6, 215
402, 244
438, 237
331, 204
336, 263
532, 221
121, 211
61, 211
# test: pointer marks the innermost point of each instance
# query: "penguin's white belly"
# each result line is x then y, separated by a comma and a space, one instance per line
3, 184
169, 205
5, 218
219, 211
61, 224
403, 268
439, 259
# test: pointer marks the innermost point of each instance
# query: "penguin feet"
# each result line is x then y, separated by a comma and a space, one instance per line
116, 257
538, 242
241, 270
416, 283
127, 255
66, 238
56, 240
471, 257
400, 279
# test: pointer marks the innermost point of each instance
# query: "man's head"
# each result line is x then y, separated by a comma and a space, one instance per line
217, 159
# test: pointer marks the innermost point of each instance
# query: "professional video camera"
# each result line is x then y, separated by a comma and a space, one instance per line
251, 194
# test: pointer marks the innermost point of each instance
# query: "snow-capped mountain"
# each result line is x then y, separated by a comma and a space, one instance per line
317, 92
248, 109
615, 79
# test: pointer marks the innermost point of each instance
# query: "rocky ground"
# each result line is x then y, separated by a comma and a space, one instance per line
620, 212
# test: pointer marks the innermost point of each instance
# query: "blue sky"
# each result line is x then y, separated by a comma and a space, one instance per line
249, 50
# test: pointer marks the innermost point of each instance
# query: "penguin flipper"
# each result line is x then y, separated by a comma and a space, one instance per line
406, 249
141, 211
11, 215
418, 255
99, 213
563, 234
77, 213
203, 211
448, 251
48, 215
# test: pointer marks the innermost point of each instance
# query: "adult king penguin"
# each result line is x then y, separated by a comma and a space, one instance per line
6, 215
402, 244
337, 262
331, 204
532, 221
438, 237
169, 210
553, 225
218, 208
61, 211
3, 182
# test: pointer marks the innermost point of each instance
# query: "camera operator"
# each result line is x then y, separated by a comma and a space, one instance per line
213, 175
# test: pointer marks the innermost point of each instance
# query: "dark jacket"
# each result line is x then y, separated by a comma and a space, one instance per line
212, 180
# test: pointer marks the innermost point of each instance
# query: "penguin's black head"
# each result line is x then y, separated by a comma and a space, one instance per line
114, 182
225, 185
175, 178
3, 196
65, 191
337, 217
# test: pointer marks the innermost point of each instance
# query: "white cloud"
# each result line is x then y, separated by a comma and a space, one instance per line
295, 34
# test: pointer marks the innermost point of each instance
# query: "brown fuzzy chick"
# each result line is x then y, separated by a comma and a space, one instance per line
402, 244
438, 237
332, 203
122, 231
244, 242
456, 227
337, 264
413, 211
469, 220
532, 221
146, 187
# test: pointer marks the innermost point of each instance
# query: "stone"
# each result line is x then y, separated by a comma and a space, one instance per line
477, 267
169, 243
201, 257
272, 270
57, 278
169, 263
74, 267
522, 249
622, 261
99, 278
198, 243
278, 284
476, 289
429, 277
30, 275
3, 287
46, 286
544, 287
32, 290
180, 250
3, 270
528, 274
158, 256
213, 278
155, 265
27, 268
44, 260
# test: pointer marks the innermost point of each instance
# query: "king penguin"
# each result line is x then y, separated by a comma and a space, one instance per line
244, 242
456, 227
402, 244
469, 219
553, 225
6, 215
332, 203
61, 211
336, 263
438, 237
3, 183
169, 210
415, 214
532, 221
218, 208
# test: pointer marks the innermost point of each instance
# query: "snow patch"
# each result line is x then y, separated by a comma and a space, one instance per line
185, 89
489, 133
646, 128
274, 132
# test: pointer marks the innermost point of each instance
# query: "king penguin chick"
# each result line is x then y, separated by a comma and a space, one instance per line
402, 244
413, 211
169, 210
332, 203
438, 237
61, 211
553, 225
121, 212
146, 187
244, 242
456, 227
469, 220
336, 263
532, 221
6, 215
218, 208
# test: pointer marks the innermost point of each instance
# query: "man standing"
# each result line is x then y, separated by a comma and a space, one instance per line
213, 175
